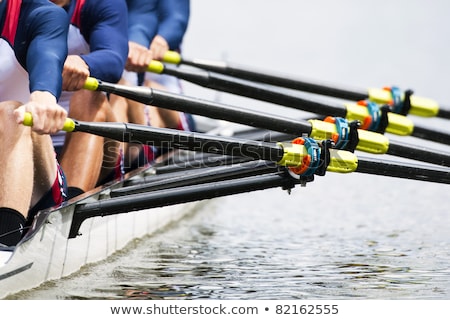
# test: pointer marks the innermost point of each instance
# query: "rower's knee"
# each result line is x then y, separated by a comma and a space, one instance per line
89, 105
8, 124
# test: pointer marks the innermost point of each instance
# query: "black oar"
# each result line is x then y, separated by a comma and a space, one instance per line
203, 174
305, 157
370, 116
212, 169
367, 141
166, 197
418, 106
239, 179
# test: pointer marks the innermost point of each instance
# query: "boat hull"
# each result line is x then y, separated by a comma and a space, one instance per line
49, 253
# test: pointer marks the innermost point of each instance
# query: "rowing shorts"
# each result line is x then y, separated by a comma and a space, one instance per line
55, 196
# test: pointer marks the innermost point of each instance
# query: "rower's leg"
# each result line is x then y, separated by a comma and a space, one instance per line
111, 152
44, 160
16, 161
135, 114
161, 117
16, 174
126, 110
82, 155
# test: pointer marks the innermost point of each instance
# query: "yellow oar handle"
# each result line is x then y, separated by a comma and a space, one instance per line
420, 106
91, 84
172, 57
341, 161
397, 123
69, 124
369, 141
156, 67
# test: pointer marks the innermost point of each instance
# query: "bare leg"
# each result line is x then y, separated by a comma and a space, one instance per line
160, 117
111, 151
82, 155
44, 166
27, 172
136, 114
16, 161
128, 111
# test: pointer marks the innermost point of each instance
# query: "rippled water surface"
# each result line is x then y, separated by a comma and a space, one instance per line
354, 236
307, 245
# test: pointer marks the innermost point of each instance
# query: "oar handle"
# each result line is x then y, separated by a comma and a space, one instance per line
156, 66
172, 57
69, 124
91, 84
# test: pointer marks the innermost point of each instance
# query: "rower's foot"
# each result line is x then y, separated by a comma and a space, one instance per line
74, 192
12, 225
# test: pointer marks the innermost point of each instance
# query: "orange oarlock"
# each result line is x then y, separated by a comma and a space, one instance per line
334, 135
367, 122
306, 161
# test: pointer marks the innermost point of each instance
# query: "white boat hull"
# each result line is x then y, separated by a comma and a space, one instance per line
50, 254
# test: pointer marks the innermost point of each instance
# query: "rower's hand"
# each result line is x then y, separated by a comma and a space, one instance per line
75, 73
159, 47
139, 57
48, 116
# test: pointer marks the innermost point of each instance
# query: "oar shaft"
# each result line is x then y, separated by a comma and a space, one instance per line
418, 105
436, 136
285, 81
258, 92
418, 153
165, 99
304, 155
272, 95
174, 196
381, 167
197, 176
444, 113
368, 141
169, 138
230, 113
403, 170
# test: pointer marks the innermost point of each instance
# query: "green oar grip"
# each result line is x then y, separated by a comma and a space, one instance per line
397, 123
371, 142
172, 57
69, 124
420, 106
156, 67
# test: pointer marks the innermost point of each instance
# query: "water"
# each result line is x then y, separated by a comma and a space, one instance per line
354, 236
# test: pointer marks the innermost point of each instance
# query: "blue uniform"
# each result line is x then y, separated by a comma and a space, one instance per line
168, 18
33, 48
103, 26
98, 34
